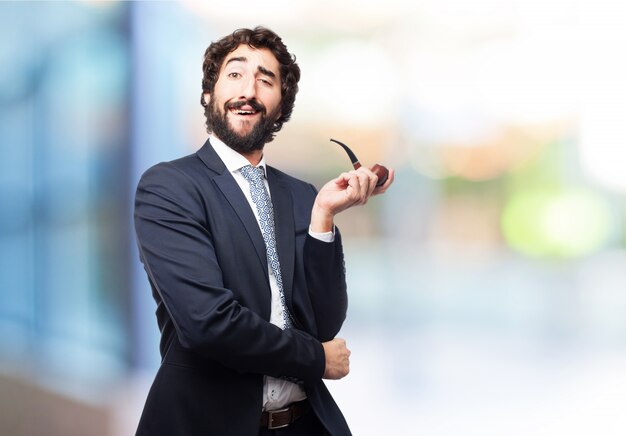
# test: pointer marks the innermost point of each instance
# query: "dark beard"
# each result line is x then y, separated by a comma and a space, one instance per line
260, 134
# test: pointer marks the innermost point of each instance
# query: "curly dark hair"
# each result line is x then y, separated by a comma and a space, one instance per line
259, 37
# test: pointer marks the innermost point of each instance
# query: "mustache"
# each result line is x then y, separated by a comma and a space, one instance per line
253, 103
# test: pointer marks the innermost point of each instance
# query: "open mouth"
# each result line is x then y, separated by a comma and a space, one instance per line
245, 108
243, 111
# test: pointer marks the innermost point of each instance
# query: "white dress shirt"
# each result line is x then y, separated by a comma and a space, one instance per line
277, 392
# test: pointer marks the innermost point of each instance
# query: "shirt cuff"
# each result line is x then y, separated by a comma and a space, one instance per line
324, 236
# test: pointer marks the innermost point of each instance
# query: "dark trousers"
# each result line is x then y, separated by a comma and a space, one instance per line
307, 425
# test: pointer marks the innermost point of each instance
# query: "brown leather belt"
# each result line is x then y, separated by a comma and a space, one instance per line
280, 418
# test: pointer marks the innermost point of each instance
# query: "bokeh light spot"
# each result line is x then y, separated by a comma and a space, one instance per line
557, 223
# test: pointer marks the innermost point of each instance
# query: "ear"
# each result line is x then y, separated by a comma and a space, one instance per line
206, 97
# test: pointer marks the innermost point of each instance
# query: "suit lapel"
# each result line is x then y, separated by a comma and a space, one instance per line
283, 214
231, 190
284, 228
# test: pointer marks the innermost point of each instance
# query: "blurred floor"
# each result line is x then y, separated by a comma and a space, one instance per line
451, 383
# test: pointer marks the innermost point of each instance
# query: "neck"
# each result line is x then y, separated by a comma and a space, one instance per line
254, 157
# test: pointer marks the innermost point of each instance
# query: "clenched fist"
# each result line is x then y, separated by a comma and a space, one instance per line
337, 359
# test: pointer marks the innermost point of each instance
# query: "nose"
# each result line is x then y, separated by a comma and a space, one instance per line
248, 88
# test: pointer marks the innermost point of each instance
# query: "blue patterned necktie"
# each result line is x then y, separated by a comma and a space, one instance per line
261, 198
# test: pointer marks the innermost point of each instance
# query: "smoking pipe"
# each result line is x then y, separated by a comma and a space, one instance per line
381, 171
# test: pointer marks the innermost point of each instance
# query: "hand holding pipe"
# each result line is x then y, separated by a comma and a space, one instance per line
377, 169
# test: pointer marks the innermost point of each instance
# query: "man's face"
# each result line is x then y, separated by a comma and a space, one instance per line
246, 99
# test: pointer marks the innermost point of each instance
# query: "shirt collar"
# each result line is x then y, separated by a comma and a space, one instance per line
232, 159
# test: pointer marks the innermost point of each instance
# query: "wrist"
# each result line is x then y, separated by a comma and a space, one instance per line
322, 221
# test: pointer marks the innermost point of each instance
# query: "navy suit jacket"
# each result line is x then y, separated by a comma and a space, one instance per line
205, 258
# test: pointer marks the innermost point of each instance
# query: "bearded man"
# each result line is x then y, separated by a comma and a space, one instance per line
245, 263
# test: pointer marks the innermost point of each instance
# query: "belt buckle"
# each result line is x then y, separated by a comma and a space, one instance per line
270, 419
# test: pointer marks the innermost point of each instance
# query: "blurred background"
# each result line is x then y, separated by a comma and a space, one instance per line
487, 287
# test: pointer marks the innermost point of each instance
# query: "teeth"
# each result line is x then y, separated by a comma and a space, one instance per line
242, 112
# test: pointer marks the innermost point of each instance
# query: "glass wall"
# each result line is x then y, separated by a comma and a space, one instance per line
64, 172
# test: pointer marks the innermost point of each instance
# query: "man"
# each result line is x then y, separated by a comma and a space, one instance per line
250, 290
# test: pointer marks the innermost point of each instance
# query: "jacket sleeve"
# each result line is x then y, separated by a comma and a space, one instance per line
176, 248
326, 281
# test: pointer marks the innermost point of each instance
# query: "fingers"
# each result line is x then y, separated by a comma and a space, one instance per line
342, 180
348, 189
362, 182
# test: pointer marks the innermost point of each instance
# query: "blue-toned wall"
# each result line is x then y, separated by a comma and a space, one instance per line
64, 175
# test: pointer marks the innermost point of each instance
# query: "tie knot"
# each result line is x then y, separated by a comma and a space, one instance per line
253, 174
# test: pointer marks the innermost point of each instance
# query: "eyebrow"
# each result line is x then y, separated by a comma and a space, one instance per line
237, 59
267, 72
261, 69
